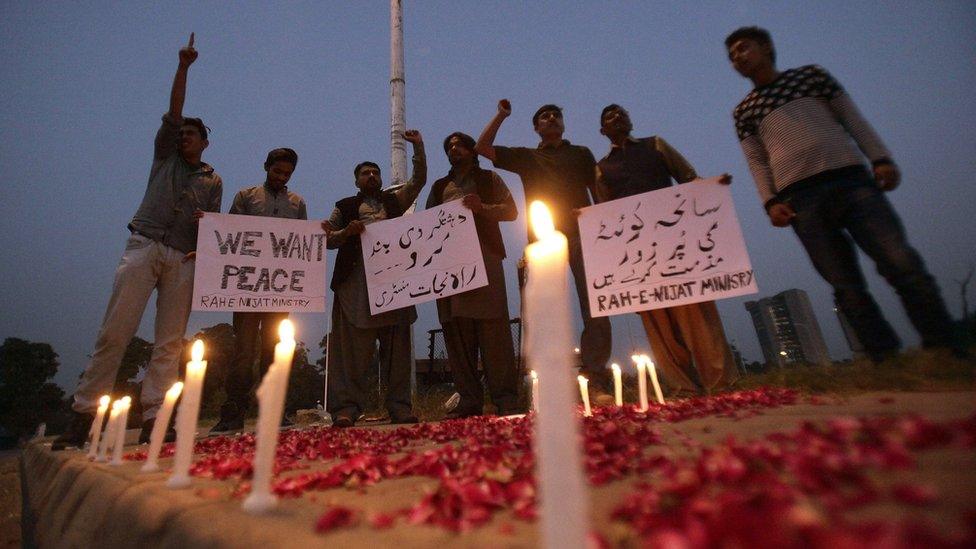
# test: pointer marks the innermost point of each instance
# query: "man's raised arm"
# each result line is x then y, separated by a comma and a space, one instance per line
486, 141
178, 94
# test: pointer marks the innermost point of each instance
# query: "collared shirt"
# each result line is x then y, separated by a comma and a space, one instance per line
175, 190
559, 175
352, 294
639, 166
261, 200
372, 209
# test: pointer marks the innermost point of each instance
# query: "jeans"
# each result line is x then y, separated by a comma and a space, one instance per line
833, 217
146, 265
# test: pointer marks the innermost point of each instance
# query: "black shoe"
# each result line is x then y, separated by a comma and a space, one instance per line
403, 418
147, 428
343, 419
231, 420
76, 433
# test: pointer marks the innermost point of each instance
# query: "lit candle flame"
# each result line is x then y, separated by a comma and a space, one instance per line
582, 379
175, 390
533, 374
286, 331
103, 402
542, 224
635, 358
196, 353
126, 400
117, 405
615, 367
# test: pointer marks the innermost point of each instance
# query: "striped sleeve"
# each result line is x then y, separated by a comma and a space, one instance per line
758, 162
864, 135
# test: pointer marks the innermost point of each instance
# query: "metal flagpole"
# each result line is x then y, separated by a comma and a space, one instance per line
398, 108
398, 151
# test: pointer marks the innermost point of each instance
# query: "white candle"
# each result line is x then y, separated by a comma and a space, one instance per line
641, 382
653, 371
109, 434
126, 403
159, 428
563, 499
585, 395
535, 391
186, 417
618, 389
96, 428
271, 400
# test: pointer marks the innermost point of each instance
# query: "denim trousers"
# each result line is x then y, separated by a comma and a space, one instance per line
835, 216
146, 265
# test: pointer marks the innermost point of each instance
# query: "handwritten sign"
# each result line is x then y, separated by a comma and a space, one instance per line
663, 248
252, 263
422, 257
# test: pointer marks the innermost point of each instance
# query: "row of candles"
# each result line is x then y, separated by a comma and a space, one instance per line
271, 400
645, 367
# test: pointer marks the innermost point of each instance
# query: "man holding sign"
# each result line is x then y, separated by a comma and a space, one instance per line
355, 331
688, 341
158, 255
477, 320
255, 333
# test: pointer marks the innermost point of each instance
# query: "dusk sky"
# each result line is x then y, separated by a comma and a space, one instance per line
84, 85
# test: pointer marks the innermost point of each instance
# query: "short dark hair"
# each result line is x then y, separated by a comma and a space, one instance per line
362, 165
284, 154
759, 34
198, 124
464, 138
608, 108
546, 108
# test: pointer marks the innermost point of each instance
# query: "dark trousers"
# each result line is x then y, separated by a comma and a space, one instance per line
833, 217
596, 341
464, 337
351, 354
255, 336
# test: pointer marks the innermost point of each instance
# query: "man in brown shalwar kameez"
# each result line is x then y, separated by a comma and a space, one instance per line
355, 331
688, 341
477, 320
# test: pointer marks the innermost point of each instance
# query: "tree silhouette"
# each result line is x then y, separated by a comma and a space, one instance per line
26, 397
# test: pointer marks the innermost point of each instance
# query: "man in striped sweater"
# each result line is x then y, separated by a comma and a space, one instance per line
805, 142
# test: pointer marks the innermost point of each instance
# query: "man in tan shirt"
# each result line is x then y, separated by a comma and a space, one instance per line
477, 320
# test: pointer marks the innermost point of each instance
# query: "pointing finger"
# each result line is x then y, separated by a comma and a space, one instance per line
190, 45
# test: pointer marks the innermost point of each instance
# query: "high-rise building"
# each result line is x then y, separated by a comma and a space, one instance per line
787, 329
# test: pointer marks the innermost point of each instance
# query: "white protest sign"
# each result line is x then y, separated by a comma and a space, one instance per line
663, 248
254, 263
421, 257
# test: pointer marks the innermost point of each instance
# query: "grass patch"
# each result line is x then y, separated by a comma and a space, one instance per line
915, 370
